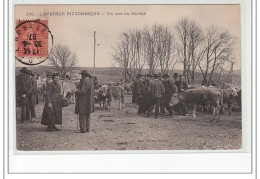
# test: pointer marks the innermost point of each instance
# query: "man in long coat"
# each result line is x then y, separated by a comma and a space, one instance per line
157, 91
85, 101
32, 97
182, 86
150, 101
170, 88
23, 86
140, 91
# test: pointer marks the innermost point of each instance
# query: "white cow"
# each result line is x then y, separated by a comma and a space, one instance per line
68, 90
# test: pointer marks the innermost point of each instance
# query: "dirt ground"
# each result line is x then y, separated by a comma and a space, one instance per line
125, 130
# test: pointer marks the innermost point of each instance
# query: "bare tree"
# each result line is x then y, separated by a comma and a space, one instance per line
138, 43
218, 48
195, 49
182, 34
152, 40
121, 55
62, 59
165, 50
190, 46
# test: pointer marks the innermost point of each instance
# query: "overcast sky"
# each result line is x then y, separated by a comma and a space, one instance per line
76, 31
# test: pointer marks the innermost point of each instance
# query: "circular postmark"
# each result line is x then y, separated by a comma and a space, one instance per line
34, 41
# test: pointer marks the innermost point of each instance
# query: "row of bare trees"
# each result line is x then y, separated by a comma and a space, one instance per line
205, 50
148, 47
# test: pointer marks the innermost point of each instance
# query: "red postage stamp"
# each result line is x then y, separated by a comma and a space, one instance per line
32, 41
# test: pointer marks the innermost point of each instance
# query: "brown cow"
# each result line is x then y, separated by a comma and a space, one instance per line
229, 95
201, 96
118, 94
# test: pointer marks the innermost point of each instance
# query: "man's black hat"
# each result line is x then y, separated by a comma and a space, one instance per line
55, 74
24, 70
175, 75
156, 76
139, 75
85, 72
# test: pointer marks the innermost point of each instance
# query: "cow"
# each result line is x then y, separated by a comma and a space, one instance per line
68, 90
104, 97
229, 95
118, 94
194, 97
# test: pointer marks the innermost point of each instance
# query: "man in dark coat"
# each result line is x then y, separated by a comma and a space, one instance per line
23, 86
148, 94
32, 97
170, 88
85, 100
157, 91
181, 84
176, 77
140, 91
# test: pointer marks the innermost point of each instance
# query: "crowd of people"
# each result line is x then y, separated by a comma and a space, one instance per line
149, 90
27, 98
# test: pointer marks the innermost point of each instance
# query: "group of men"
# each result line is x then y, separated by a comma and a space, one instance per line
26, 94
149, 90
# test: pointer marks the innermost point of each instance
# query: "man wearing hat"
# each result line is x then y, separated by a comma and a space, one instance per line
23, 86
85, 101
157, 91
176, 77
140, 91
147, 92
170, 88
182, 86
32, 96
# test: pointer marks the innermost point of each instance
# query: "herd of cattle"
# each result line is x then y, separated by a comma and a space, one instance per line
196, 97
215, 99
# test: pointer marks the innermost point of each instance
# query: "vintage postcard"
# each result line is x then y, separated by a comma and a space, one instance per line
133, 78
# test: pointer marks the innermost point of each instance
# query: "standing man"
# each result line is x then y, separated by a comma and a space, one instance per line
182, 86
85, 101
23, 89
157, 92
32, 97
139, 87
176, 77
146, 88
170, 88
46, 85
150, 99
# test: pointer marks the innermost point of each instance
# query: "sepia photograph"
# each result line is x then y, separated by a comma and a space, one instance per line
128, 77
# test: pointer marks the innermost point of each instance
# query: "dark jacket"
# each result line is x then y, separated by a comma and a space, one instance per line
33, 92
139, 87
170, 87
181, 85
23, 86
157, 88
85, 96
